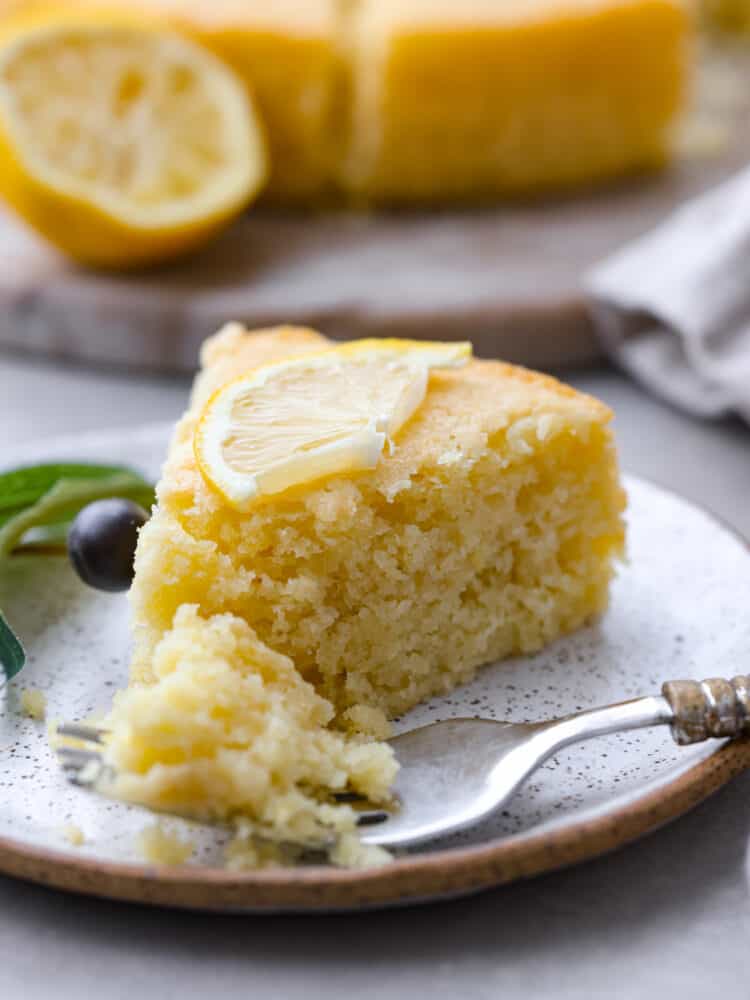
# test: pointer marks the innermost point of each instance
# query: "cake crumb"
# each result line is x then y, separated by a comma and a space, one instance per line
160, 846
245, 853
74, 835
250, 850
350, 852
367, 721
33, 703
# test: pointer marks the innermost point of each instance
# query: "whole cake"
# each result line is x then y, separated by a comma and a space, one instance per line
379, 101
486, 98
272, 643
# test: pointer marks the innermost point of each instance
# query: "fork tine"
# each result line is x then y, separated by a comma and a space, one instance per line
82, 767
80, 731
76, 757
372, 818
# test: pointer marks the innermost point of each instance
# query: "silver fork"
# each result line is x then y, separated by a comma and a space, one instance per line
458, 772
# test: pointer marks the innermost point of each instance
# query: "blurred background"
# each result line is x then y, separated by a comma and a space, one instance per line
371, 168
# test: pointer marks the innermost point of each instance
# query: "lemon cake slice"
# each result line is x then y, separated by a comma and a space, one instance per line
488, 528
278, 627
487, 98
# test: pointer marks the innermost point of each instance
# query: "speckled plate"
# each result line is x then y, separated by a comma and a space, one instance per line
679, 610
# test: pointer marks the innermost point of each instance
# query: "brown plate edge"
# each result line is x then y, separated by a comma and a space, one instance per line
442, 874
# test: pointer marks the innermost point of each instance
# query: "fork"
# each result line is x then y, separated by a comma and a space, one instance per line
455, 773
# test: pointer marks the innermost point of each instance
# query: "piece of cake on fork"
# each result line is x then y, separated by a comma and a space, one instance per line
279, 622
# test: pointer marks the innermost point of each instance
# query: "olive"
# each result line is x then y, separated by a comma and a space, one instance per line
102, 541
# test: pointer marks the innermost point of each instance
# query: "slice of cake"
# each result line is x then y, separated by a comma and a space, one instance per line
489, 529
486, 98
272, 642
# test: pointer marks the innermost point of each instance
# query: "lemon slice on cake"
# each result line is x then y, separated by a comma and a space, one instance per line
121, 142
294, 422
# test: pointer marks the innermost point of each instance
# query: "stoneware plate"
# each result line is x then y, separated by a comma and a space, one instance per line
676, 613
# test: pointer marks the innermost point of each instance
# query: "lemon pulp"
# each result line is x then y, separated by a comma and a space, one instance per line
120, 142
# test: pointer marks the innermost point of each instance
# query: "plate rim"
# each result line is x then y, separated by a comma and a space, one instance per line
441, 874
421, 878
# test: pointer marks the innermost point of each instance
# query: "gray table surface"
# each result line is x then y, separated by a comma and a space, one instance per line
667, 916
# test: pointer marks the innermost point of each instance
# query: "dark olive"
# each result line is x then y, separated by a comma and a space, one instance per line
102, 541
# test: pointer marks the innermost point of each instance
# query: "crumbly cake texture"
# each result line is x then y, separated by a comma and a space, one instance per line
34, 703
271, 646
228, 728
74, 835
161, 846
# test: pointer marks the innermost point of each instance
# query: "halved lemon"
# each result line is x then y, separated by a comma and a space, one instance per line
121, 142
293, 422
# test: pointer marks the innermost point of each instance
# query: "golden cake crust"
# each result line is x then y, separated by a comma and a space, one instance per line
462, 410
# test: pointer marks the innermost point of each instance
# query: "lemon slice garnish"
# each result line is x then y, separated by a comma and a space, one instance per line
121, 142
293, 422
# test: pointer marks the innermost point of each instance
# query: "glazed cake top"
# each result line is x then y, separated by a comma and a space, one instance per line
463, 411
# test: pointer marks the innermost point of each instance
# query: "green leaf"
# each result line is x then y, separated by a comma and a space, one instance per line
12, 655
66, 497
20, 488
37, 504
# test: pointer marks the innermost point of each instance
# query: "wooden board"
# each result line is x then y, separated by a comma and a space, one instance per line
508, 278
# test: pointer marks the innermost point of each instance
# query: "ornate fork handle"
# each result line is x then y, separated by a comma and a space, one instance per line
694, 711
712, 708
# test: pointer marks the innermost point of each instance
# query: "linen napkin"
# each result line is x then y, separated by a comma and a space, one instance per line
673, 307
